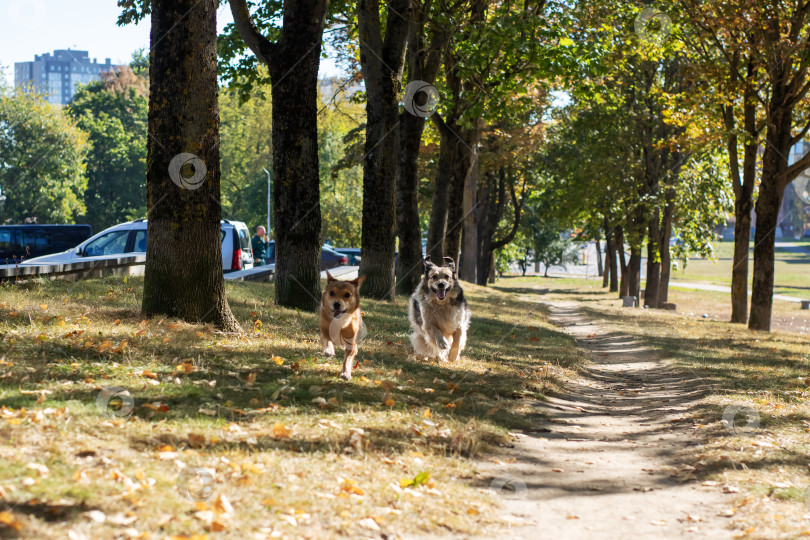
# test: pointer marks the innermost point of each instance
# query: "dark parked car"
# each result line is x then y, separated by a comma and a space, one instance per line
35, 240
329, 257
352, 253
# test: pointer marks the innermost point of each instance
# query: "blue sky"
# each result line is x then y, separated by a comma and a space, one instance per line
30, 27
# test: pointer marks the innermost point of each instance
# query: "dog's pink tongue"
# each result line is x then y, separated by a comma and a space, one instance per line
440, 294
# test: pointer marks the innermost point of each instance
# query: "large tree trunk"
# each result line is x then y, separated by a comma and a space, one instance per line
769, 201
455, 201
409, 260
296, 181
183, 254
293, 63
423, 67
449, 147
382, 61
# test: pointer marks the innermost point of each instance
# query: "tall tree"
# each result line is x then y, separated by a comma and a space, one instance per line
427, 35
293, 61
42, 154
382, 57
785, 32
113, 112
183, 253
726, 57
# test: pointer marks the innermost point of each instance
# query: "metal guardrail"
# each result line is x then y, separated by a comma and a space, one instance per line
129, 265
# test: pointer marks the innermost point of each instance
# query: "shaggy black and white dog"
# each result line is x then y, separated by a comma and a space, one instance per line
438, 313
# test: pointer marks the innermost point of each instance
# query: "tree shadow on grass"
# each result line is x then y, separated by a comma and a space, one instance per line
505, 365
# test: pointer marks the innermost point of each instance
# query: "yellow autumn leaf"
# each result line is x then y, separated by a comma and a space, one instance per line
7, 518
278, 360
281, 431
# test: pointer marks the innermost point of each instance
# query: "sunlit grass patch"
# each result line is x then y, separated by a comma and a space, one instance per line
260, 418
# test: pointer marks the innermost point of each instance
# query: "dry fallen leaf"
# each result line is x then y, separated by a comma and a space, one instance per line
7, 518
281, 431
222, 505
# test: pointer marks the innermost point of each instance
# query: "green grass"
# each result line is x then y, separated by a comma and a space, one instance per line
262, 411
791, 272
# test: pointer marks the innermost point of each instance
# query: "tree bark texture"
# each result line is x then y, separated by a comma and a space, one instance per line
382, 58
183, 276
293, 63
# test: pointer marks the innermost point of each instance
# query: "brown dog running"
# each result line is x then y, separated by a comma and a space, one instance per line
341, 320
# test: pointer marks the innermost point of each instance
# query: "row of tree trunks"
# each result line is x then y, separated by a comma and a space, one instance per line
492, 206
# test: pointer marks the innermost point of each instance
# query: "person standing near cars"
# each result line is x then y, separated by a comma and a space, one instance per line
259, 244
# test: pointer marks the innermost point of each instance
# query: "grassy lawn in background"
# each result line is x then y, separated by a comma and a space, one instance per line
791, 277
257, 427
767, 373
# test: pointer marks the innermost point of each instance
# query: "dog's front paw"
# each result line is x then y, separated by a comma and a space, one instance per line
329, 350
443, 343
346, 376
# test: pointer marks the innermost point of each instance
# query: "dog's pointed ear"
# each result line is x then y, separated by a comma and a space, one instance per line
427, 265
329, 278
448, 261
358, 281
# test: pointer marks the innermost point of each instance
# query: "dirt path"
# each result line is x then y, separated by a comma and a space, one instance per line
604, 464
